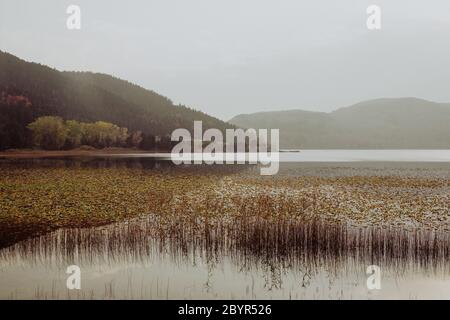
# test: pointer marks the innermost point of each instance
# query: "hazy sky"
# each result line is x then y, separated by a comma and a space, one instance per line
240, 56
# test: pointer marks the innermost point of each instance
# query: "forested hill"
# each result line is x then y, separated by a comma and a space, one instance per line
89, 97
394, 123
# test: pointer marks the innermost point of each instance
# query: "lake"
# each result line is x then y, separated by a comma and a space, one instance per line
334, 156
250, 257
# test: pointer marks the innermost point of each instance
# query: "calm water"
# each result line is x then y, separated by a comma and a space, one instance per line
147, 258
345, 156
140, 259
366, 155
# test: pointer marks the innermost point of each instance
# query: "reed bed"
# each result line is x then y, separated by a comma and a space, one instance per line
248, 242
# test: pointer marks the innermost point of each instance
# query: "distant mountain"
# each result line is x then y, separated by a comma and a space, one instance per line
89, 97
405, 123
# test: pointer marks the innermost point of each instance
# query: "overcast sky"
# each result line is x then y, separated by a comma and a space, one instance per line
240, 56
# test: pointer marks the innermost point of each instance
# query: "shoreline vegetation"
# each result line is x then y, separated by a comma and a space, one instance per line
52, 133
83, 151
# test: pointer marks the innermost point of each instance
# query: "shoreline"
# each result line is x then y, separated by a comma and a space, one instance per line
30, 154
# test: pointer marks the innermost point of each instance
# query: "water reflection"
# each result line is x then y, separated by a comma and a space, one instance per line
154, 257
95, 162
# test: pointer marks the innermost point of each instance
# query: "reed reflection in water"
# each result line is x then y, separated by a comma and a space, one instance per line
153, 257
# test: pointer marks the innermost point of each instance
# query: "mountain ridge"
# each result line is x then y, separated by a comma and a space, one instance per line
405, 122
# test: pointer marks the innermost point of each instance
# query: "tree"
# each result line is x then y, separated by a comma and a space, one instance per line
90, 135
75, 132
134, 139
122, 137
165, 143
15, 113
103, 134
48, 132
148, 142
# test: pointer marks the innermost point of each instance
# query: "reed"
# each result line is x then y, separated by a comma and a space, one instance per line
248, 241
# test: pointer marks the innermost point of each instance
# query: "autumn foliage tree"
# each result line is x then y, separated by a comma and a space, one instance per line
15, 111
53, 133
75, 133
49, 132
104, 134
